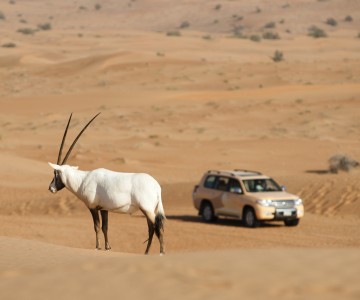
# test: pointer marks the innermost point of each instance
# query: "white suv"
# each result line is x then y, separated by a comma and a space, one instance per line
247, 195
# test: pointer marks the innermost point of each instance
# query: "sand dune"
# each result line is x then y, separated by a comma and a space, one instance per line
312, 274
182, 88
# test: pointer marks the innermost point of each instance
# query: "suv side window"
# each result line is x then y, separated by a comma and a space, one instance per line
234, 186
222, 183
210, 182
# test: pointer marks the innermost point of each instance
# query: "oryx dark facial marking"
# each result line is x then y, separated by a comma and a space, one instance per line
56, 184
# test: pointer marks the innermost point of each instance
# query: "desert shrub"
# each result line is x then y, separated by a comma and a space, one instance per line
316, 32
278, 56
9, 45
82, 7
255, 38
348, 19
23, 21
97, 6
270, 25
12, 2
44, 26
207, 37
28, 31
185, 24
258, 10
2, 16
342, 162
217, 7
331, 22
173, 33
237, 31
270, 36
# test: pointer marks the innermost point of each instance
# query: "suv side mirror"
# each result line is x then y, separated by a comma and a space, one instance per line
283, 188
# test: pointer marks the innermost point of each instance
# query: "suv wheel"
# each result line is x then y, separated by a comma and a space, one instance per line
293, 222
250, 219
207, 212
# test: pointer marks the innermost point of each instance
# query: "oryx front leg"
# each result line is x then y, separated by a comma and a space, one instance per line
96, 219
104, 227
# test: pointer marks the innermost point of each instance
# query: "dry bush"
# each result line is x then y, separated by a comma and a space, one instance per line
44, 26
316, 32
331, 22
184, 24
342, 162
30, 31
278, 56
271, 35
173, 33
2, 16
9, 45
270, 25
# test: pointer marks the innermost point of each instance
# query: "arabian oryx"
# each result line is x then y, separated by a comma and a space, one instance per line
102, 191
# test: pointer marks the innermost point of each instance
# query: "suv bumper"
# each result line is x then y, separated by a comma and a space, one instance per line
272, 213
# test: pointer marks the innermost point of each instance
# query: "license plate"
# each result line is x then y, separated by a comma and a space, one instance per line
287, 213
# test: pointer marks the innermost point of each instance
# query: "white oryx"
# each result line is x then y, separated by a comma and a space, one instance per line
103, 190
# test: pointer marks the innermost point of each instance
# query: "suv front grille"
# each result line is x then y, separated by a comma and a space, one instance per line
283, 203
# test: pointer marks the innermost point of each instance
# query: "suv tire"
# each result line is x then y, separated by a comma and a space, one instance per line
292, 222
249, 218
207, 212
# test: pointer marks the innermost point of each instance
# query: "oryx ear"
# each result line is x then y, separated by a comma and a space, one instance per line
54, 166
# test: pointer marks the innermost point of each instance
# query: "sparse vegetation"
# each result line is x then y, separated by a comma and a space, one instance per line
217, 7
184, 24
270, 25
316, 32
44, 26
97, 6
255, 38
207, 37
331, 22
23, 21
2, 16
82, 7
348, 19
173, 33
258, 10
27, 31
9, 45
278, 56
270, 36
12, 2
342, 162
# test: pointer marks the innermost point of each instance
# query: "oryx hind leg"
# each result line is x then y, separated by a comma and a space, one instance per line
150, 218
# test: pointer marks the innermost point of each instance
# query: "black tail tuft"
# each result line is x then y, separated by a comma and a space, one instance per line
159, 224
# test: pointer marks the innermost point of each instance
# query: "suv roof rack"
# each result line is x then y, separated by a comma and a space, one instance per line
221, 172
248, 171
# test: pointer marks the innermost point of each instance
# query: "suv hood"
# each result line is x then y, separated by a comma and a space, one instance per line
274, 196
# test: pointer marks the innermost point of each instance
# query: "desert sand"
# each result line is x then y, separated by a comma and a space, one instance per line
181, 89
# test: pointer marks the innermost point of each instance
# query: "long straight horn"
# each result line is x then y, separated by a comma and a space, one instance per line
74, 142
63, 141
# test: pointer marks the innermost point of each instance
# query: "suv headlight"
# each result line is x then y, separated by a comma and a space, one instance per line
298, 202
264, 202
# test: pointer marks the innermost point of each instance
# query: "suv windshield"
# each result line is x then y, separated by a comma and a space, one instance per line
261, 185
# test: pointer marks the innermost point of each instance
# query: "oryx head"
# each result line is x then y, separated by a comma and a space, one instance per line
57, 184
